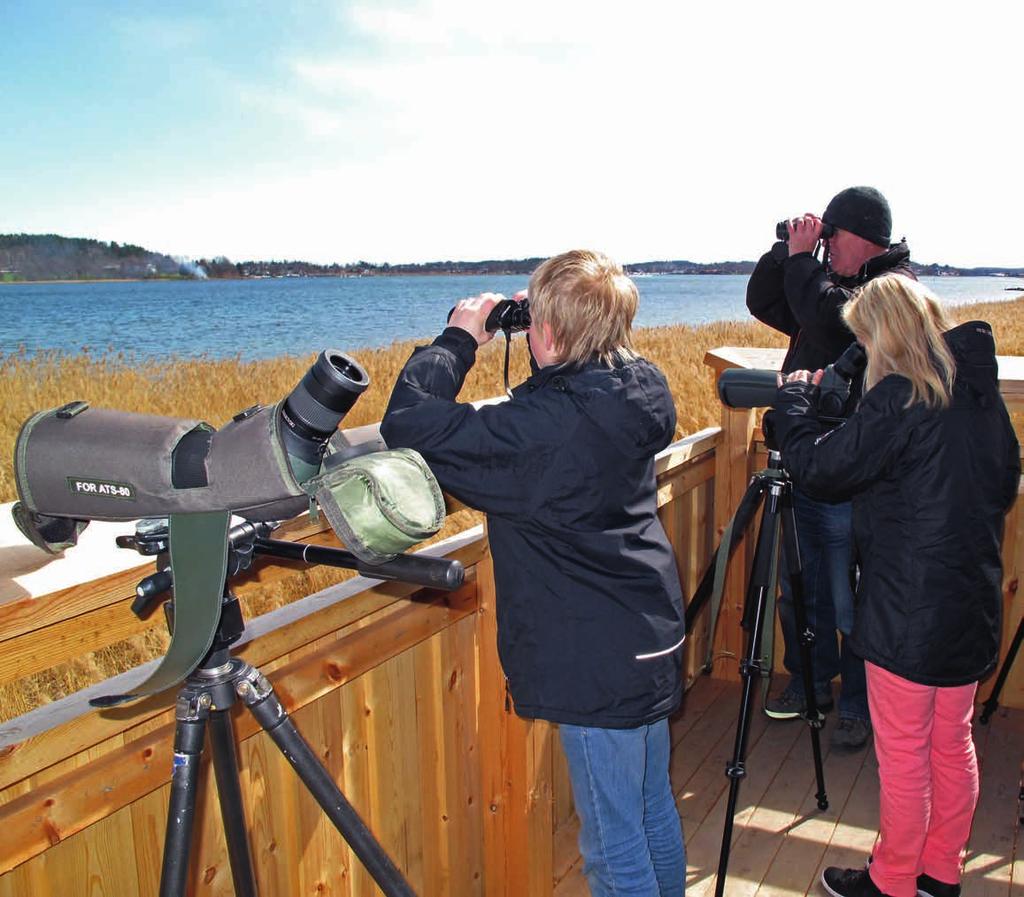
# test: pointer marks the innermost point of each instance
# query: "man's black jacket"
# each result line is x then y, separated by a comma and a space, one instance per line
930, 489
590, 611
795, 295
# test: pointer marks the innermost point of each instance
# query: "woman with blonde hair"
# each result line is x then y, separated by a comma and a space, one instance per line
932, 464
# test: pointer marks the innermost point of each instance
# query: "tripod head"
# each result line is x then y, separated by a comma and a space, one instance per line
202, 613
152, 537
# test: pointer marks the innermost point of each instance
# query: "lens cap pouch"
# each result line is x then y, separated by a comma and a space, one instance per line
380, 504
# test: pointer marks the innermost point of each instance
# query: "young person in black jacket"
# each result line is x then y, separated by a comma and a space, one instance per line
932, 464
795, 292
590, 611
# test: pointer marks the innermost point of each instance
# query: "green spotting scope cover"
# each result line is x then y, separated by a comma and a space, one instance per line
380, 504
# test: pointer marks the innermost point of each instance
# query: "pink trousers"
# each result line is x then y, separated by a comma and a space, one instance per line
929, 779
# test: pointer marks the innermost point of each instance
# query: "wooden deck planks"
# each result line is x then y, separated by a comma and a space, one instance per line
781, 840
990, 870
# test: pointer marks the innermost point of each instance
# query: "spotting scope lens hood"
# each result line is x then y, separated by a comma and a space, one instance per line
747, 388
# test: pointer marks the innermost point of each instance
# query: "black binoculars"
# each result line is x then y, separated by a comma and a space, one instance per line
782, 231
509, 315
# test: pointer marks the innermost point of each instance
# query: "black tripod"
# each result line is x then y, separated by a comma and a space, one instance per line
210, 691
773, 488
989, 707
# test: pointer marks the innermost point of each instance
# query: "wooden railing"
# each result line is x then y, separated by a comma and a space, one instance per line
399, 691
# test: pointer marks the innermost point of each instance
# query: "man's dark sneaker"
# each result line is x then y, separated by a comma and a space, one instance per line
849, 883
789, 703
928, 886
851, 734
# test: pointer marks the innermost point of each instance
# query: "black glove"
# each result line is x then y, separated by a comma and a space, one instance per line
797, 398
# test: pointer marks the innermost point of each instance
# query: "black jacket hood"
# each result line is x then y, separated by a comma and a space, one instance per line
629, 402
974, 349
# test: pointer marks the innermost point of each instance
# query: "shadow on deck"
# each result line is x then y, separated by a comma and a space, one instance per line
782, 841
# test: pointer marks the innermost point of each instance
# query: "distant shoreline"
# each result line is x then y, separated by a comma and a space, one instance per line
115, 280
420, 274
42, 258
15, 283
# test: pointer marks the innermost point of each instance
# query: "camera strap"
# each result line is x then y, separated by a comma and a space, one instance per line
712, 585
508, 349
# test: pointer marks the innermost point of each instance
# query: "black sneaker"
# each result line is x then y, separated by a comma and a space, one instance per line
928, 886
849, 883
932, 887
790, 703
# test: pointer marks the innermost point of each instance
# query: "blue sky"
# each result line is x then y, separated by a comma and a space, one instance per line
433, 129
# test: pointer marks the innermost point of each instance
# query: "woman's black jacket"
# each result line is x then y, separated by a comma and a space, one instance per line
589, 606
930, 490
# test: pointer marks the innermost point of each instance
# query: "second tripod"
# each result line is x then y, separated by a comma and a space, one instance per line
772, 489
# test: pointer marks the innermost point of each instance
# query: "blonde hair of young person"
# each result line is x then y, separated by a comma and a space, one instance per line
900, 323
588, 302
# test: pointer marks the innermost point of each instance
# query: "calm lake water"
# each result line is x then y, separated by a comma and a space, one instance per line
300, 316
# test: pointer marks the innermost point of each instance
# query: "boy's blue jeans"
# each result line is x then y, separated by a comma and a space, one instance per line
630, 835
825, 533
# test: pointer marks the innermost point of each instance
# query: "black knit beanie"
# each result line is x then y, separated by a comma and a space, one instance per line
862, 211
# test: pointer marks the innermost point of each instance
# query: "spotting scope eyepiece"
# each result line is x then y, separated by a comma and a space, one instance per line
315, 407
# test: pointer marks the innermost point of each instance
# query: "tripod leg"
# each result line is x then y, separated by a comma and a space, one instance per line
815, 719
990, 705
229, 795
750, 668
259, 697
188, 747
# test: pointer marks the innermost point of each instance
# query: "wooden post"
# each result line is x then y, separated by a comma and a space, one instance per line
733, 467
516, 773
732, 475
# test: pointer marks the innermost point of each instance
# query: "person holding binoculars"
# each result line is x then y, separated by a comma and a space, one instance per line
589, 605
932, 464
794, 291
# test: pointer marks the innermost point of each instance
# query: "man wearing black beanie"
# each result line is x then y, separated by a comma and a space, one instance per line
794, 291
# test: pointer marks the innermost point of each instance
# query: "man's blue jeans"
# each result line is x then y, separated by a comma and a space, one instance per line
630, 835
825, 533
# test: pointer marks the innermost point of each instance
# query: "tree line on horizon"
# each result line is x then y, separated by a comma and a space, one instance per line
34, 257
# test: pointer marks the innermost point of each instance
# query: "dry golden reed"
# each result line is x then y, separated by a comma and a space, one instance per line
215, 390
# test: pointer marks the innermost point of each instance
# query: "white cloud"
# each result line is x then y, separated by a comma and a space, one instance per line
465, 128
